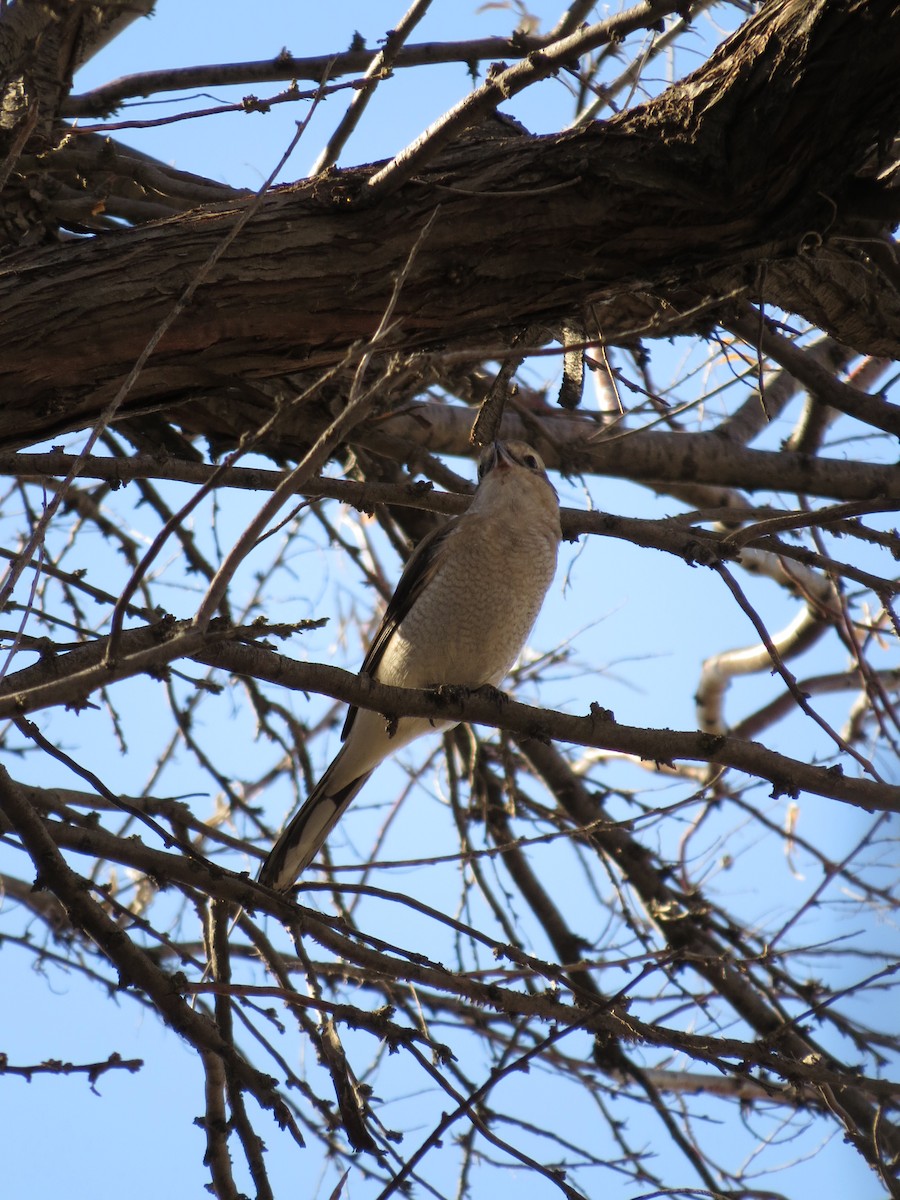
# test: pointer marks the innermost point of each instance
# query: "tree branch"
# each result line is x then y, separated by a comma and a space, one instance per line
605, 216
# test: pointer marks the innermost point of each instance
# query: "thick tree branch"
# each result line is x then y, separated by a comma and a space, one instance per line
640, 209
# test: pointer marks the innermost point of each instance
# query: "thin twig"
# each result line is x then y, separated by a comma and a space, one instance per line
378, 69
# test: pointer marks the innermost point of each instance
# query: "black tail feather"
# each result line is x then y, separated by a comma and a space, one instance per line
303, 837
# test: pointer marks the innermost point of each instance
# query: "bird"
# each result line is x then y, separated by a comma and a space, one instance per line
461, 613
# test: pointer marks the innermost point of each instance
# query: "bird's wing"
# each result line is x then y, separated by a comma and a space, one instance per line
417, 574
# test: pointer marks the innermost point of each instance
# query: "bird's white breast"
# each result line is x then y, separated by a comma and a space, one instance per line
470, 623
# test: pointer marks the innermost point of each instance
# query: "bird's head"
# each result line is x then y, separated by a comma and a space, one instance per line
513, 474
506, 456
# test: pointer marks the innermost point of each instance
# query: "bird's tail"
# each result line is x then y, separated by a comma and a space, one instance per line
304, 835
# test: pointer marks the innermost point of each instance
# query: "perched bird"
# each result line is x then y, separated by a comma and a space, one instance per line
461, 613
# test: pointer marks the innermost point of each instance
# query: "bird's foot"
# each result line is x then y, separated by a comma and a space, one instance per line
390, 726
450, 693
458, 693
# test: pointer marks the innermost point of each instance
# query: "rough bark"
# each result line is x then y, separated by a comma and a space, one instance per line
755, 176
41, 43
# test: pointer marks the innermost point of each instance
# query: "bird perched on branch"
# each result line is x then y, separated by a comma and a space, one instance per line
460, 615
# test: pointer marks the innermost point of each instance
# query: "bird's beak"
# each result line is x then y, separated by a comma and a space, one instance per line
502, 459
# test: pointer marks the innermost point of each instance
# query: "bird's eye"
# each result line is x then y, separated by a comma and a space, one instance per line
532, 462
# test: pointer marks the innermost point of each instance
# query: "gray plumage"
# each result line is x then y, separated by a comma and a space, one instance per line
460, 614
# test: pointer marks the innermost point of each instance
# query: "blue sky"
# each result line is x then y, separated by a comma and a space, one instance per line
640, 624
